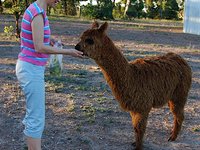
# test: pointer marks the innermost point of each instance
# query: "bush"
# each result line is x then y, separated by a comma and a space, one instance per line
135, 9
9, 31
90, 11
118, 11
171, 10
105, 10
153, 12
7, 4
101, 11
71, 9
1, 9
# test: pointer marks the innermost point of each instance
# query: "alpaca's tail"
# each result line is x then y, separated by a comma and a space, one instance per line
185, 75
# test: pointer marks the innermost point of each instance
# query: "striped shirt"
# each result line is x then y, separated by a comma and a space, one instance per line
28, 52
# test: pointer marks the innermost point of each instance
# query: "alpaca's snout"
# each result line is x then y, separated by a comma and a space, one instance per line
78, 47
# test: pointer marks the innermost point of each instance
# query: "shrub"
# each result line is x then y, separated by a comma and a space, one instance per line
9, 31
101, 11
90, 11
171, 10
135, 9
7, 4
118, 11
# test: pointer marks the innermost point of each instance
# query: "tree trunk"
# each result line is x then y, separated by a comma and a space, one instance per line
128, 2
65, 6
1, 7
17, 16
26, 3
113, 6
48, 10
71, 8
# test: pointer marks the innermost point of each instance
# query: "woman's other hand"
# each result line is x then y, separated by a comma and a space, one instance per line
74, 53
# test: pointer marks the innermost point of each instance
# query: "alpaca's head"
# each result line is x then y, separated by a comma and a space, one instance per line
93, 40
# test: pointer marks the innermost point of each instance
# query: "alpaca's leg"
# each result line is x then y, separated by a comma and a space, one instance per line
178, 112
139, 122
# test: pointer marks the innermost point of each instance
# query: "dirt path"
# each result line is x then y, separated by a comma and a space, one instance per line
81, 113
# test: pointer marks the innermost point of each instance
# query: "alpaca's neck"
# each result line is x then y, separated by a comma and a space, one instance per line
113, 65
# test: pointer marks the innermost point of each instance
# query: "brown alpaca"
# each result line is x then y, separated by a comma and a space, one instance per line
141, 84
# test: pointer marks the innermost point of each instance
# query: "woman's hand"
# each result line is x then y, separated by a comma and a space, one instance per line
74, 53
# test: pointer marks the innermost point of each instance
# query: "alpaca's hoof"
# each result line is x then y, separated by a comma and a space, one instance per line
134, 144
136, 148
172, 138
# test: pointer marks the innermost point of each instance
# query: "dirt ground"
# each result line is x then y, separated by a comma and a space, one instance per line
81, 113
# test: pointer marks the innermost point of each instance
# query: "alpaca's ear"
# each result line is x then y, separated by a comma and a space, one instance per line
103, 27
95, 24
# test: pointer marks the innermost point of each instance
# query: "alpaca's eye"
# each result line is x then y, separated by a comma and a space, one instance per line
89, 41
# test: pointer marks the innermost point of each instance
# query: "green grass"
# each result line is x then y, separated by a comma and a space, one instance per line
81, 88
196, 129
54, 87
14, 90
89, 112
79, 74
102, 109
100, 100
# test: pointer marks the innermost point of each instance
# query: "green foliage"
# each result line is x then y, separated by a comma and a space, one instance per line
1, 9
7, 4
135, 9
105, 9
57, 10
89, 112
165, 9
9, 31
171, 10
196, 129
101, 11
118, 11
17, 9
90, 11
153, 11
71, 9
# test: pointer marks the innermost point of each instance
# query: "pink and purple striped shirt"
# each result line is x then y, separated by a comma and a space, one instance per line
28, 52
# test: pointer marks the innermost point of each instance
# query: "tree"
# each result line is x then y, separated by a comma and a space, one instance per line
181, 8
127, 4
71, 8
148, 2
64, 2
106, 9
1, 7
155, 8
135, 8
17, 8
171, 9
103, 10
26, 3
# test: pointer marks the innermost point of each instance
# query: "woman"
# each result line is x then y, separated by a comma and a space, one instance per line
35, 48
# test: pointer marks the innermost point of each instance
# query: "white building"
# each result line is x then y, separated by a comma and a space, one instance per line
192, 17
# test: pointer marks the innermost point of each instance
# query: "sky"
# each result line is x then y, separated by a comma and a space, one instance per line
94, 2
